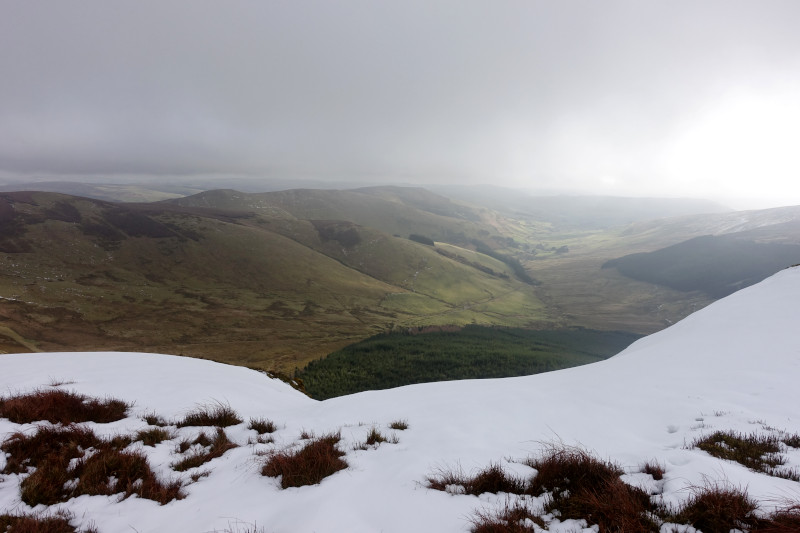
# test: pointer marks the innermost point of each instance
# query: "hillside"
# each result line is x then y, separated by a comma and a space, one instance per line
578, 212
560, 243
726, 368
473, 352
256, 287
718, 266
776, 224
275, 280
392, 210
109, 192
577, 290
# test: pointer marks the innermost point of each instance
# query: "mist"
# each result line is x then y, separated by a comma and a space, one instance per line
678, 99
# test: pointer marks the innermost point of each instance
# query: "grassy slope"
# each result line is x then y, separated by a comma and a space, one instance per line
578, 292
272, 290
385, 212
716, 265
258, 290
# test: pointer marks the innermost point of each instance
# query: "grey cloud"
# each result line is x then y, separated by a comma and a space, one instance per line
471, 90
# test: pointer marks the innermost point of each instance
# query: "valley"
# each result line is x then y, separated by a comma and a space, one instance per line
278, 279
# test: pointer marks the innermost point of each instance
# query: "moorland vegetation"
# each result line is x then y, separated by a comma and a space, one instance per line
58, 463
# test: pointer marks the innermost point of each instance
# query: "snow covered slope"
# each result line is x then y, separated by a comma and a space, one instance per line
732, 365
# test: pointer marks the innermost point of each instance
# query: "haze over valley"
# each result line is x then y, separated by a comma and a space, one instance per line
275, 280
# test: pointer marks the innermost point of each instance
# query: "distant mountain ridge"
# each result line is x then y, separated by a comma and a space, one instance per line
717, 265
588, 212
722, 253
393, 210
769, 223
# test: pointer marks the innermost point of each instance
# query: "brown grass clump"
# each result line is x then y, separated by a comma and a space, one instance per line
262, 426
761, 453
584, 487
491, 479
654, 469
57, 477
374, 437
58, 406
785, 520
316, 460
46, 485
219, 415
400, 425
111, 471
581, 487
200, 474
513, 518
153, 419
152, 436
203, 440
36, 523
791, 440
615, 506
108, 471
563, 468
718, 509
26, 451
215, 448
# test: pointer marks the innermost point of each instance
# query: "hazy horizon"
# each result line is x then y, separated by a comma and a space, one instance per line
620, 98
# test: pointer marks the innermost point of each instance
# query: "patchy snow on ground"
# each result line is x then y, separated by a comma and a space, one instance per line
731, 366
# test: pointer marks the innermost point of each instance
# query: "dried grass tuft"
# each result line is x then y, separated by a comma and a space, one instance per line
215, 447
64, 469
400, 425
316, 460
61, 407
36, 523
153, 436
218, 415
655, 469
492, 479
262, 426
718, 508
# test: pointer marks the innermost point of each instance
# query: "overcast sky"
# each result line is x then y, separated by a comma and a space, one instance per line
676, 98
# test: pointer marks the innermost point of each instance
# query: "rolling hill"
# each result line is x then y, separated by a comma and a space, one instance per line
570, 212
249, 283
393, 210
716, 265
577, 290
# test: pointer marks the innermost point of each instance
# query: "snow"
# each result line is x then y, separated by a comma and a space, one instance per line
732, 365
